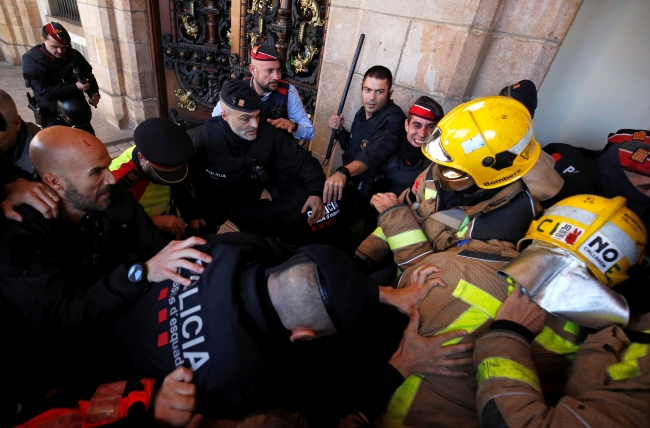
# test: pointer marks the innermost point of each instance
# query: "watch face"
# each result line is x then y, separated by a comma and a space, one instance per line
135, 273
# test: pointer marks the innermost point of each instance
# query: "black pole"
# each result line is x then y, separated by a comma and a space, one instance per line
330, 148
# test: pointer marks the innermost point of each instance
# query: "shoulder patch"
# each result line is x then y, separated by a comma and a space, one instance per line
129, 179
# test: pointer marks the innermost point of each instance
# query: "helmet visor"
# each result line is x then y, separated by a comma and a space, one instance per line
432, 147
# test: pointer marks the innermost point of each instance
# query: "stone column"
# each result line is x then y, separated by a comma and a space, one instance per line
118, 47
20, 29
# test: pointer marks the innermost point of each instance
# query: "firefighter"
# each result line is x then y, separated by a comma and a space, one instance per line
488, 168
609, 383
561, 269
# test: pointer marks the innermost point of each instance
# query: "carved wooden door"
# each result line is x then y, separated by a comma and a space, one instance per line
203, 43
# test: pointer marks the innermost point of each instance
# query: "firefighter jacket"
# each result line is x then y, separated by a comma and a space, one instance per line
373, 140
432, 219
609, 384
470, 302
238, 170
52, 78
155, 198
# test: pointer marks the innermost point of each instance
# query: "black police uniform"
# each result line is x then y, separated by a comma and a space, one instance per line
19, 154
366, 141
225, 328
61, 283
398, 173
52, 79
238, 170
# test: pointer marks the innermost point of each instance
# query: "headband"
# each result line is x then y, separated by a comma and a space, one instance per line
423, 112
54, 33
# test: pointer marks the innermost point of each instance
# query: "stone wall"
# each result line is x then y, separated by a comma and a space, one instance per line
20, 29
451, 50
118, 47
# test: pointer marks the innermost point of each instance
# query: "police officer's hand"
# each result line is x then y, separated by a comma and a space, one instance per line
163, 265
383, 201
407, 299
283, 123
334, 186
336, 122
94, 100
170, 224
520, 309
428, 355
175, 401
35, 194
83, 86
315, 204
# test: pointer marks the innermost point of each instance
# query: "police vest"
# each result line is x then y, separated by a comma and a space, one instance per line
275, 105
155, 198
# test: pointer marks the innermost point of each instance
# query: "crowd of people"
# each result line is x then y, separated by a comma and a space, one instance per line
451, 272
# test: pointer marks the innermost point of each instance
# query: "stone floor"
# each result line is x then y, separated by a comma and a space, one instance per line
11, 80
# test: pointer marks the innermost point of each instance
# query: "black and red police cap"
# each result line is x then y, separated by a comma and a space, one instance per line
347, 294
239, 95
264, 52
58, 33
167, 148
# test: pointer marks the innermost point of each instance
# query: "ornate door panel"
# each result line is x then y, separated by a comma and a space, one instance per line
203, 43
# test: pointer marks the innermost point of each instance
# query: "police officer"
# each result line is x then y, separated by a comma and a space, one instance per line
242, 156
158, 171
49, 69
404, 166
282, 105
375, 134
16, 135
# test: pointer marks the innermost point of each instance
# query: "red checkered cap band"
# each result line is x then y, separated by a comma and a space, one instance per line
637, 161
424, 113
54, 33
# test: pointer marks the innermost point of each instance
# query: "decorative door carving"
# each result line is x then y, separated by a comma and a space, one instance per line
203, 43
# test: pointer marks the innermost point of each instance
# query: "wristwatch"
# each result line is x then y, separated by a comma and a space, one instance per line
136, 273
343, 170
295, 126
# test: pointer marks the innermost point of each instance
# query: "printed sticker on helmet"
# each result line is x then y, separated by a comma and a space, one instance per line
566, 232
601, 251
473, 144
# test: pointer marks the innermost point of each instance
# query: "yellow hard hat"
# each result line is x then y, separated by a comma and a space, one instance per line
601, 232
490, 138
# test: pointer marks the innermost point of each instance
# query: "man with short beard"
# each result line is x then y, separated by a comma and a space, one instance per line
62, 278
282, 106
242, 156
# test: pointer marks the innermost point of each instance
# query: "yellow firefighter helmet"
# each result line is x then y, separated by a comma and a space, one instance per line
601, 232
490, 138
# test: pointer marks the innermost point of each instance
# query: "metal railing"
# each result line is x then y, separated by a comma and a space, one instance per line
67, 9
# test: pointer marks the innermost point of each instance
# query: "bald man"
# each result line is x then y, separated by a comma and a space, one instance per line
72, 275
